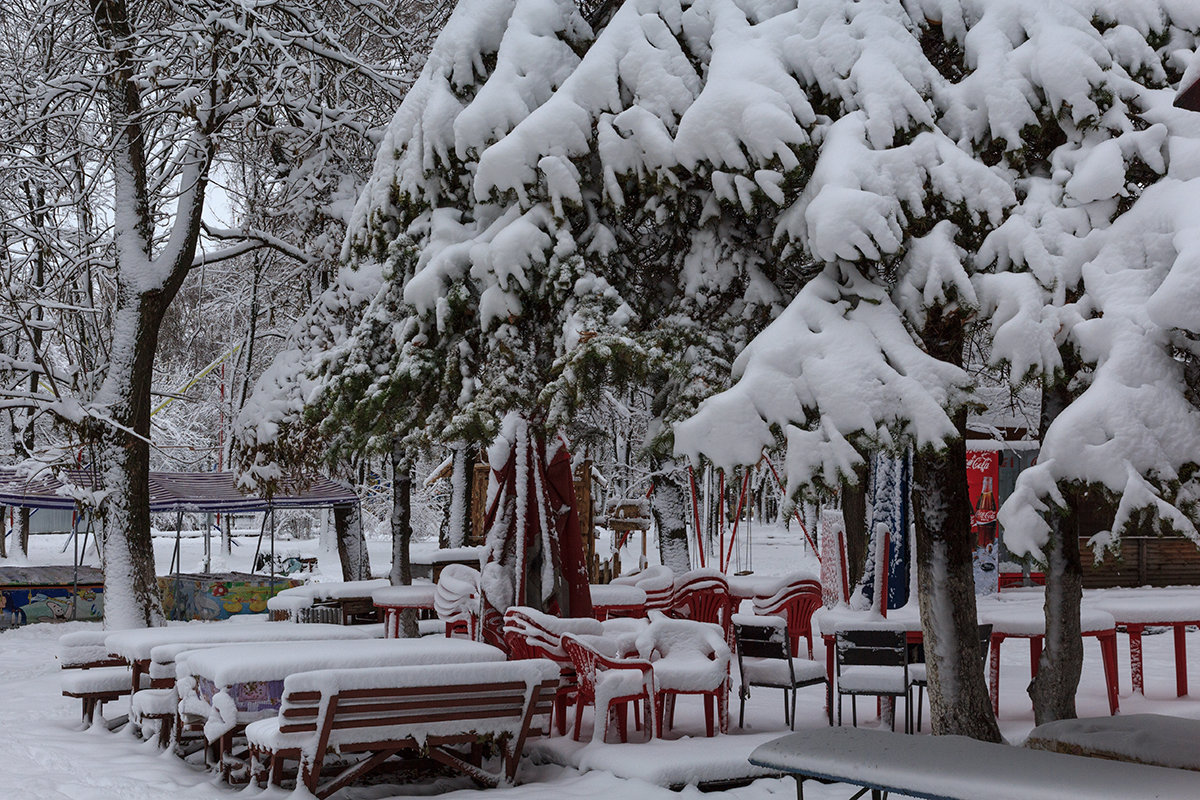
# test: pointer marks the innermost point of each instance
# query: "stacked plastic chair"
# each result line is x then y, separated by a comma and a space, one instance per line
456, 600
796, 599
529, 633
658, 582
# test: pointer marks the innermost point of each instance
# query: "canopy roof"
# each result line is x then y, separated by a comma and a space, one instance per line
178, 491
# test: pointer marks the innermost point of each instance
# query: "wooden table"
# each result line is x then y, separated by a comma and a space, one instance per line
1140, 609
395, 600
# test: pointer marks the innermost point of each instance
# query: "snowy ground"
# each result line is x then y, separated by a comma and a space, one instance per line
48, 758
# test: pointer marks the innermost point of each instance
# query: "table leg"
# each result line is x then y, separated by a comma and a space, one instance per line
1135, 657
994, 672
1035, 655
829, 648
1181, 687
1108, 654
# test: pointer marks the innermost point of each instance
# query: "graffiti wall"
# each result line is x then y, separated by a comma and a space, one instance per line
50, 594
218, 596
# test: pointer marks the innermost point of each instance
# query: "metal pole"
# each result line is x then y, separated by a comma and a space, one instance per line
208, 542
75, 573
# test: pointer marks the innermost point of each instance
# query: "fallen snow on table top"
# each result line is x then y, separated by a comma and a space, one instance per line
226, 666
1146, 738
136, 645
417, 594
613, 594
671, 762
958, 767
1147, 608
1030, 620
303, 596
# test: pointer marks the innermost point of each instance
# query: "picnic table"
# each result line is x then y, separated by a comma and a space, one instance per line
135, 647
394, 600
958, 768
230, 686
1136, 610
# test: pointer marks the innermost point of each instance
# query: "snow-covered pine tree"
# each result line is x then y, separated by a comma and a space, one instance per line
1093, 139
869, 353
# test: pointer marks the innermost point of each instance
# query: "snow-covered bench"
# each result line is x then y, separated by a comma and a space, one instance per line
91, 674
958, 768
413, 710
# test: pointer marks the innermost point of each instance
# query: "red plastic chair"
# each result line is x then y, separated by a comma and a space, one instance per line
703, 596
590, 668
674, 648
531, 634
456, 600
795, 602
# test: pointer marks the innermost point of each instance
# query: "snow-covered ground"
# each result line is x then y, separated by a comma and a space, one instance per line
48, 757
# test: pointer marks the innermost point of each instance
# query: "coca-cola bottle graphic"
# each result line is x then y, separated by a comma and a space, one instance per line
984, 518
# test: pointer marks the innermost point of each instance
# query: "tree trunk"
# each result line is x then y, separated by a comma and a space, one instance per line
401, 573
670, 510
958, 696
1053, 690
131, 595
854, 515
458, 513
351, 544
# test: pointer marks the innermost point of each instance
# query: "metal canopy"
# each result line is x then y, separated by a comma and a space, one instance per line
178, 491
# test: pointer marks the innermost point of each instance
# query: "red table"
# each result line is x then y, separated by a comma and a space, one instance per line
394, 600
1028, 621
1164, 608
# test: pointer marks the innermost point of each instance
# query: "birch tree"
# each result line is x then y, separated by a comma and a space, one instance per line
153, 92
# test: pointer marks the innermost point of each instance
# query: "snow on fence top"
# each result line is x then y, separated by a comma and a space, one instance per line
175, 491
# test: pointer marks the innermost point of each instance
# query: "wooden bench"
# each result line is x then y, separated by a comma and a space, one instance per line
94, 676
958, 768
422, 711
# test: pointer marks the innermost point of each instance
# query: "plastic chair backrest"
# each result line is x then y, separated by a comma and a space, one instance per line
877, 648
762, 641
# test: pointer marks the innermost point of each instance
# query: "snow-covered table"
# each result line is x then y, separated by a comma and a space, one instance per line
1028, 621
394, 600
134, 646
292, 601
1137, 609
233, 685
958, 768
615, 598
1153, 739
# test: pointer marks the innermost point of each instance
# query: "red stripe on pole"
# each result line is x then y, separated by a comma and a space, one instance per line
696, 514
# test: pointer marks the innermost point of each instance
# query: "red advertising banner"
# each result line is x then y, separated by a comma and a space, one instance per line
983, 478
